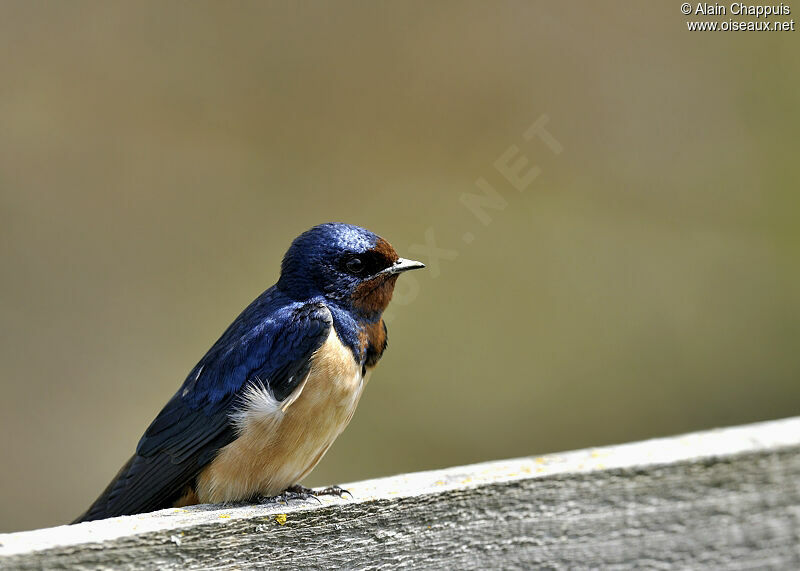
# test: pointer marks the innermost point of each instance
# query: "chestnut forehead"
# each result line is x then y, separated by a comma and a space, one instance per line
385, 250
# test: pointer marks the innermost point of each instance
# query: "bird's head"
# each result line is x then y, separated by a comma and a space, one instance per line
346, 264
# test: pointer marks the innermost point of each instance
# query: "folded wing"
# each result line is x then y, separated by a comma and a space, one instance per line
270, 343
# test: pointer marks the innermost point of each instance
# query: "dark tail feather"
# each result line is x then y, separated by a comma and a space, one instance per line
99, 509
145, 484
160, 477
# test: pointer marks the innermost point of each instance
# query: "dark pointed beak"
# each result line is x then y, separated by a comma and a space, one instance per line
403, 265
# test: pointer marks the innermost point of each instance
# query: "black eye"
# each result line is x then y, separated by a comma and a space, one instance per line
355, 265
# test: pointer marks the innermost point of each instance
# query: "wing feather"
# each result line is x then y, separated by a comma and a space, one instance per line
269, 343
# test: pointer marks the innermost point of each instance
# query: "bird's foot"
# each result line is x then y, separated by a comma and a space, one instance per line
306, 493
291, 493
337, 491
298, 492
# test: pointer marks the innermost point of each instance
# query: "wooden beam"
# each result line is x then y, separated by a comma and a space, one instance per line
718, 499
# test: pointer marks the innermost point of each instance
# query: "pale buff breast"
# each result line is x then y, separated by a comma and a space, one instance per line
279, 443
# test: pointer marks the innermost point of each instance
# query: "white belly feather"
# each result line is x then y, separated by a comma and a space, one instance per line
279, 443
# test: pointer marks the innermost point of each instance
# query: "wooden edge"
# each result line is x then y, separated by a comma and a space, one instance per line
759, 437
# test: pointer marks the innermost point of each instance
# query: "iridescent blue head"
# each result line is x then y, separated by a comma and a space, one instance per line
346, 264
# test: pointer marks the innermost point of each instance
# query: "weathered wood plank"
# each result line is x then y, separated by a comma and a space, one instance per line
721, 499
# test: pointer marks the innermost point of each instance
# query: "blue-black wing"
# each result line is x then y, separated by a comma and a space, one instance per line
273, 341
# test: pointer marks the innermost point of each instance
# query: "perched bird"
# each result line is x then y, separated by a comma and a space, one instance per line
262, 407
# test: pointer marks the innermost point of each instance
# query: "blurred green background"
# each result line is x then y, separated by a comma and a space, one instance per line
156, 159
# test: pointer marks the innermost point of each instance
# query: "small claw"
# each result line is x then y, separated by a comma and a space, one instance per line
337, 491
291, 493
301, 492
298, 492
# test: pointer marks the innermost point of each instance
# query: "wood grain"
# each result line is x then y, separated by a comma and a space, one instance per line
721, 499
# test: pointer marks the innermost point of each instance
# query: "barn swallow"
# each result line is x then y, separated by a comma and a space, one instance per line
265, 403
